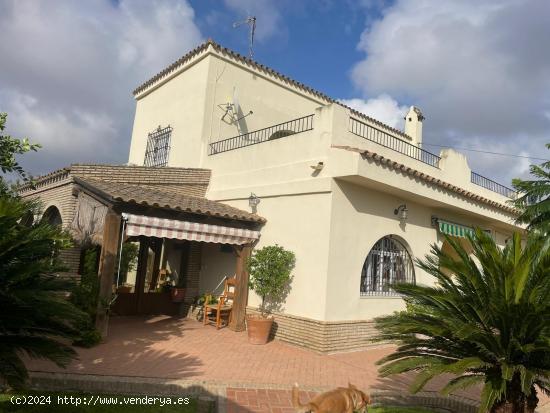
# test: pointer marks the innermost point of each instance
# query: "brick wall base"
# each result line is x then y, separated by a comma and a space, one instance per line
322, 336
193, 272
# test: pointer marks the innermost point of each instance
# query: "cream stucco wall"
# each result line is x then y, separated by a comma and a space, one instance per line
360, 216
270, 101
193, 100
299, 222
180, 103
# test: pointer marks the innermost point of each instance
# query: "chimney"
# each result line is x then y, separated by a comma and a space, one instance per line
413, 125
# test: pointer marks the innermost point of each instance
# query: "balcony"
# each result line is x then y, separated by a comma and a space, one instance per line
292, 127
383, 138
493, 186
336, 128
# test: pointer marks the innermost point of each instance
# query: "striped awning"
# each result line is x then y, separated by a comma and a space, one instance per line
192, 231
453, 229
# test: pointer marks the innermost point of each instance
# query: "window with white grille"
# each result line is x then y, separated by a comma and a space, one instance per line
158, 147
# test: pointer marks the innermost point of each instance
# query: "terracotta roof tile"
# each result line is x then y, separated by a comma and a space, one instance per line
188, 181
435, 181
135, 194
260, 67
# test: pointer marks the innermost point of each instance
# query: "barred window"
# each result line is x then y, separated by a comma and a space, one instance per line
388, 262
158, 147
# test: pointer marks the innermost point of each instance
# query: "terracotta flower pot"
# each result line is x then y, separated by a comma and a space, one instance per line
177, 294
122, 289
258, 329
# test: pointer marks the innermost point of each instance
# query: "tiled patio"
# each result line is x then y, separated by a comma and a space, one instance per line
170, 348
165, 347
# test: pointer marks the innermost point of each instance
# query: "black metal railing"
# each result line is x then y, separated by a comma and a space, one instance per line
292, 127
158, 147
383, 138
493, 186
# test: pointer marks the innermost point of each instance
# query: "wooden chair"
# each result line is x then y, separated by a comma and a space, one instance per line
224, 304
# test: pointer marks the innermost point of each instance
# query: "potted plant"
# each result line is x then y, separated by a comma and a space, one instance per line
269, 268
206, 298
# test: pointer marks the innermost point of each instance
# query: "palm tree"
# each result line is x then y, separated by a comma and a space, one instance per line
535, 200
36, 319
486, 321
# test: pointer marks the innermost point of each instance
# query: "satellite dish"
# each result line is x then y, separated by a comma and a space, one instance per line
232, 110
237, 112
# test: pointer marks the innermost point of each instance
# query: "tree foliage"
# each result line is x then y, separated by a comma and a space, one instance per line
84, 295
534, 201
36, 318
270, 273
486, 321
10, 147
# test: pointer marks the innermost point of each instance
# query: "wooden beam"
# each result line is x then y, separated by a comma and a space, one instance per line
241, 289
107, 268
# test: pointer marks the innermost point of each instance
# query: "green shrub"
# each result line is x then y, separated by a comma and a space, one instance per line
85, 296
270, 274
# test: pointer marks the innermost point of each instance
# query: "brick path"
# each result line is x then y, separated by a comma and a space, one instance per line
183, 349
262, 400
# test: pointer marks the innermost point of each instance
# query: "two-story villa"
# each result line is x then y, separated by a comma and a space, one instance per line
226, 144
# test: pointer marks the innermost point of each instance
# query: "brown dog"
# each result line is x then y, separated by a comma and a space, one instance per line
340, 400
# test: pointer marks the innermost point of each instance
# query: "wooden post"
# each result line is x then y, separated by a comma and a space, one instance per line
141, 272
107, 267
241, 289
157, 248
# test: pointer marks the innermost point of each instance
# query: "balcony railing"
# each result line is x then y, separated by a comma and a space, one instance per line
493, 186
281, 130
380, 137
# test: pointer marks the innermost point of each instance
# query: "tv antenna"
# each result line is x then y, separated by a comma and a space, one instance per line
251, 21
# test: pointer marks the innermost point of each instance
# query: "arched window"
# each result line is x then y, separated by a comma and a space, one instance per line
388, 262
52, 216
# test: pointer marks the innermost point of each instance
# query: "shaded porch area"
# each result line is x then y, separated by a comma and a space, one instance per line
158, 251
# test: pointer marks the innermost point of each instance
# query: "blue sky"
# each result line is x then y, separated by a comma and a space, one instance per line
315, 45
480, 71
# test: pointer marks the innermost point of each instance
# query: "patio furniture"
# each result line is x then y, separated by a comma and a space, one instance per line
223, 306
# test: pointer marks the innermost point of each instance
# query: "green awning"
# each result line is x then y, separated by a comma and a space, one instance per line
453, 229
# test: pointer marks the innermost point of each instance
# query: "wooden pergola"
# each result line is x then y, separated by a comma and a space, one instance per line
185, 218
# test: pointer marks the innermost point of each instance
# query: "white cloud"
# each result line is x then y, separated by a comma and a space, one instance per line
68, 71
478, 70
383, 108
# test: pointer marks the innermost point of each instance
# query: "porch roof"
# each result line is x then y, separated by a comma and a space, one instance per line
115, 192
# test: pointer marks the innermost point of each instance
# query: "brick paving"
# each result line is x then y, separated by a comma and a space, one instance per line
164, 347
258, 378
241, 400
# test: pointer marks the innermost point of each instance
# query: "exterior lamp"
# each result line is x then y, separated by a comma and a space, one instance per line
401, 212
253, 202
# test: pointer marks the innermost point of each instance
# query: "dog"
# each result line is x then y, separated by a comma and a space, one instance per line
341, 400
